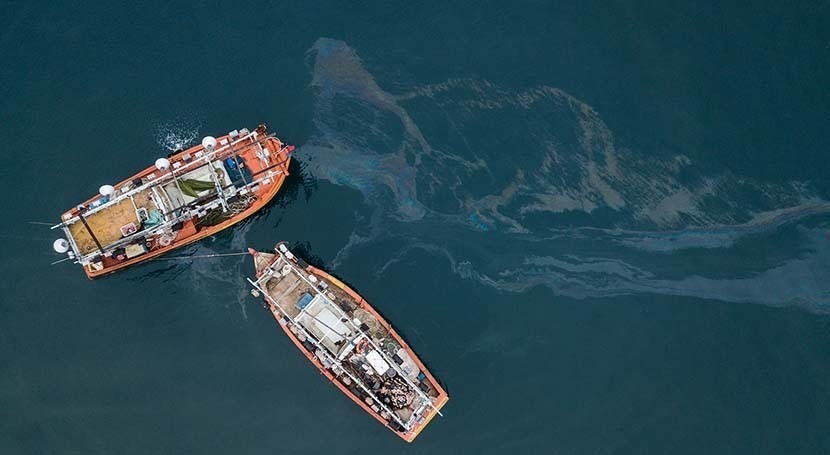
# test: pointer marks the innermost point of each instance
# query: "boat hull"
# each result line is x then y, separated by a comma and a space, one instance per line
439, 402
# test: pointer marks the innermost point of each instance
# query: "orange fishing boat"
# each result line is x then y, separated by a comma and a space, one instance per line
185, 197
349, 342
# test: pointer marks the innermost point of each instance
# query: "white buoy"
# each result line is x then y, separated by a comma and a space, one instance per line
106, 190
162, 164
209, 143
61, 246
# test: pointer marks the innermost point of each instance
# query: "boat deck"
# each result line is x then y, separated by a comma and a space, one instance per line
287, 291
106, 224
350, 343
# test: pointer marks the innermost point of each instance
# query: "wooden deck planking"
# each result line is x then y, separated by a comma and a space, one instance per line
287, 291
105, 225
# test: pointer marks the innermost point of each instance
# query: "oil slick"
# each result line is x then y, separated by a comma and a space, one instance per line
510, 201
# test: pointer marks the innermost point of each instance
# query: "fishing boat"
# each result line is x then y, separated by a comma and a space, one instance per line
187, 196
348, 341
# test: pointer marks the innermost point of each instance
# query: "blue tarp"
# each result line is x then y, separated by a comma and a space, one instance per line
304, 300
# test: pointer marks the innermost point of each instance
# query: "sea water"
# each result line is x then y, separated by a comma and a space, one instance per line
604, 227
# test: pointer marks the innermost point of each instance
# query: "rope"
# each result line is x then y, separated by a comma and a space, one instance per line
240, 205
174, 258
166, 238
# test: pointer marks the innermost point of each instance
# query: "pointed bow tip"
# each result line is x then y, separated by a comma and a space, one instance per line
252, 252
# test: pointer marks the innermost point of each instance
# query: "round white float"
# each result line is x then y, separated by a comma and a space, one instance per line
61, 246
209, 142
106, 190
162, 164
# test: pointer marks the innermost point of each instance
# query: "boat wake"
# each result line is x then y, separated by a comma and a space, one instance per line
507, 174
177, 134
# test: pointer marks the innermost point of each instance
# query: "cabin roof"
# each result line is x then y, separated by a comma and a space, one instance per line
319, 318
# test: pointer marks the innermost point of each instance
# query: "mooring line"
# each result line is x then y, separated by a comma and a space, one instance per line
200, 256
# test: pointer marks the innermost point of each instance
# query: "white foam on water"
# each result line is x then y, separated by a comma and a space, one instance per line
177, 134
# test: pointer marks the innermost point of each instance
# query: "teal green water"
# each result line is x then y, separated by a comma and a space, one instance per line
605, 227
